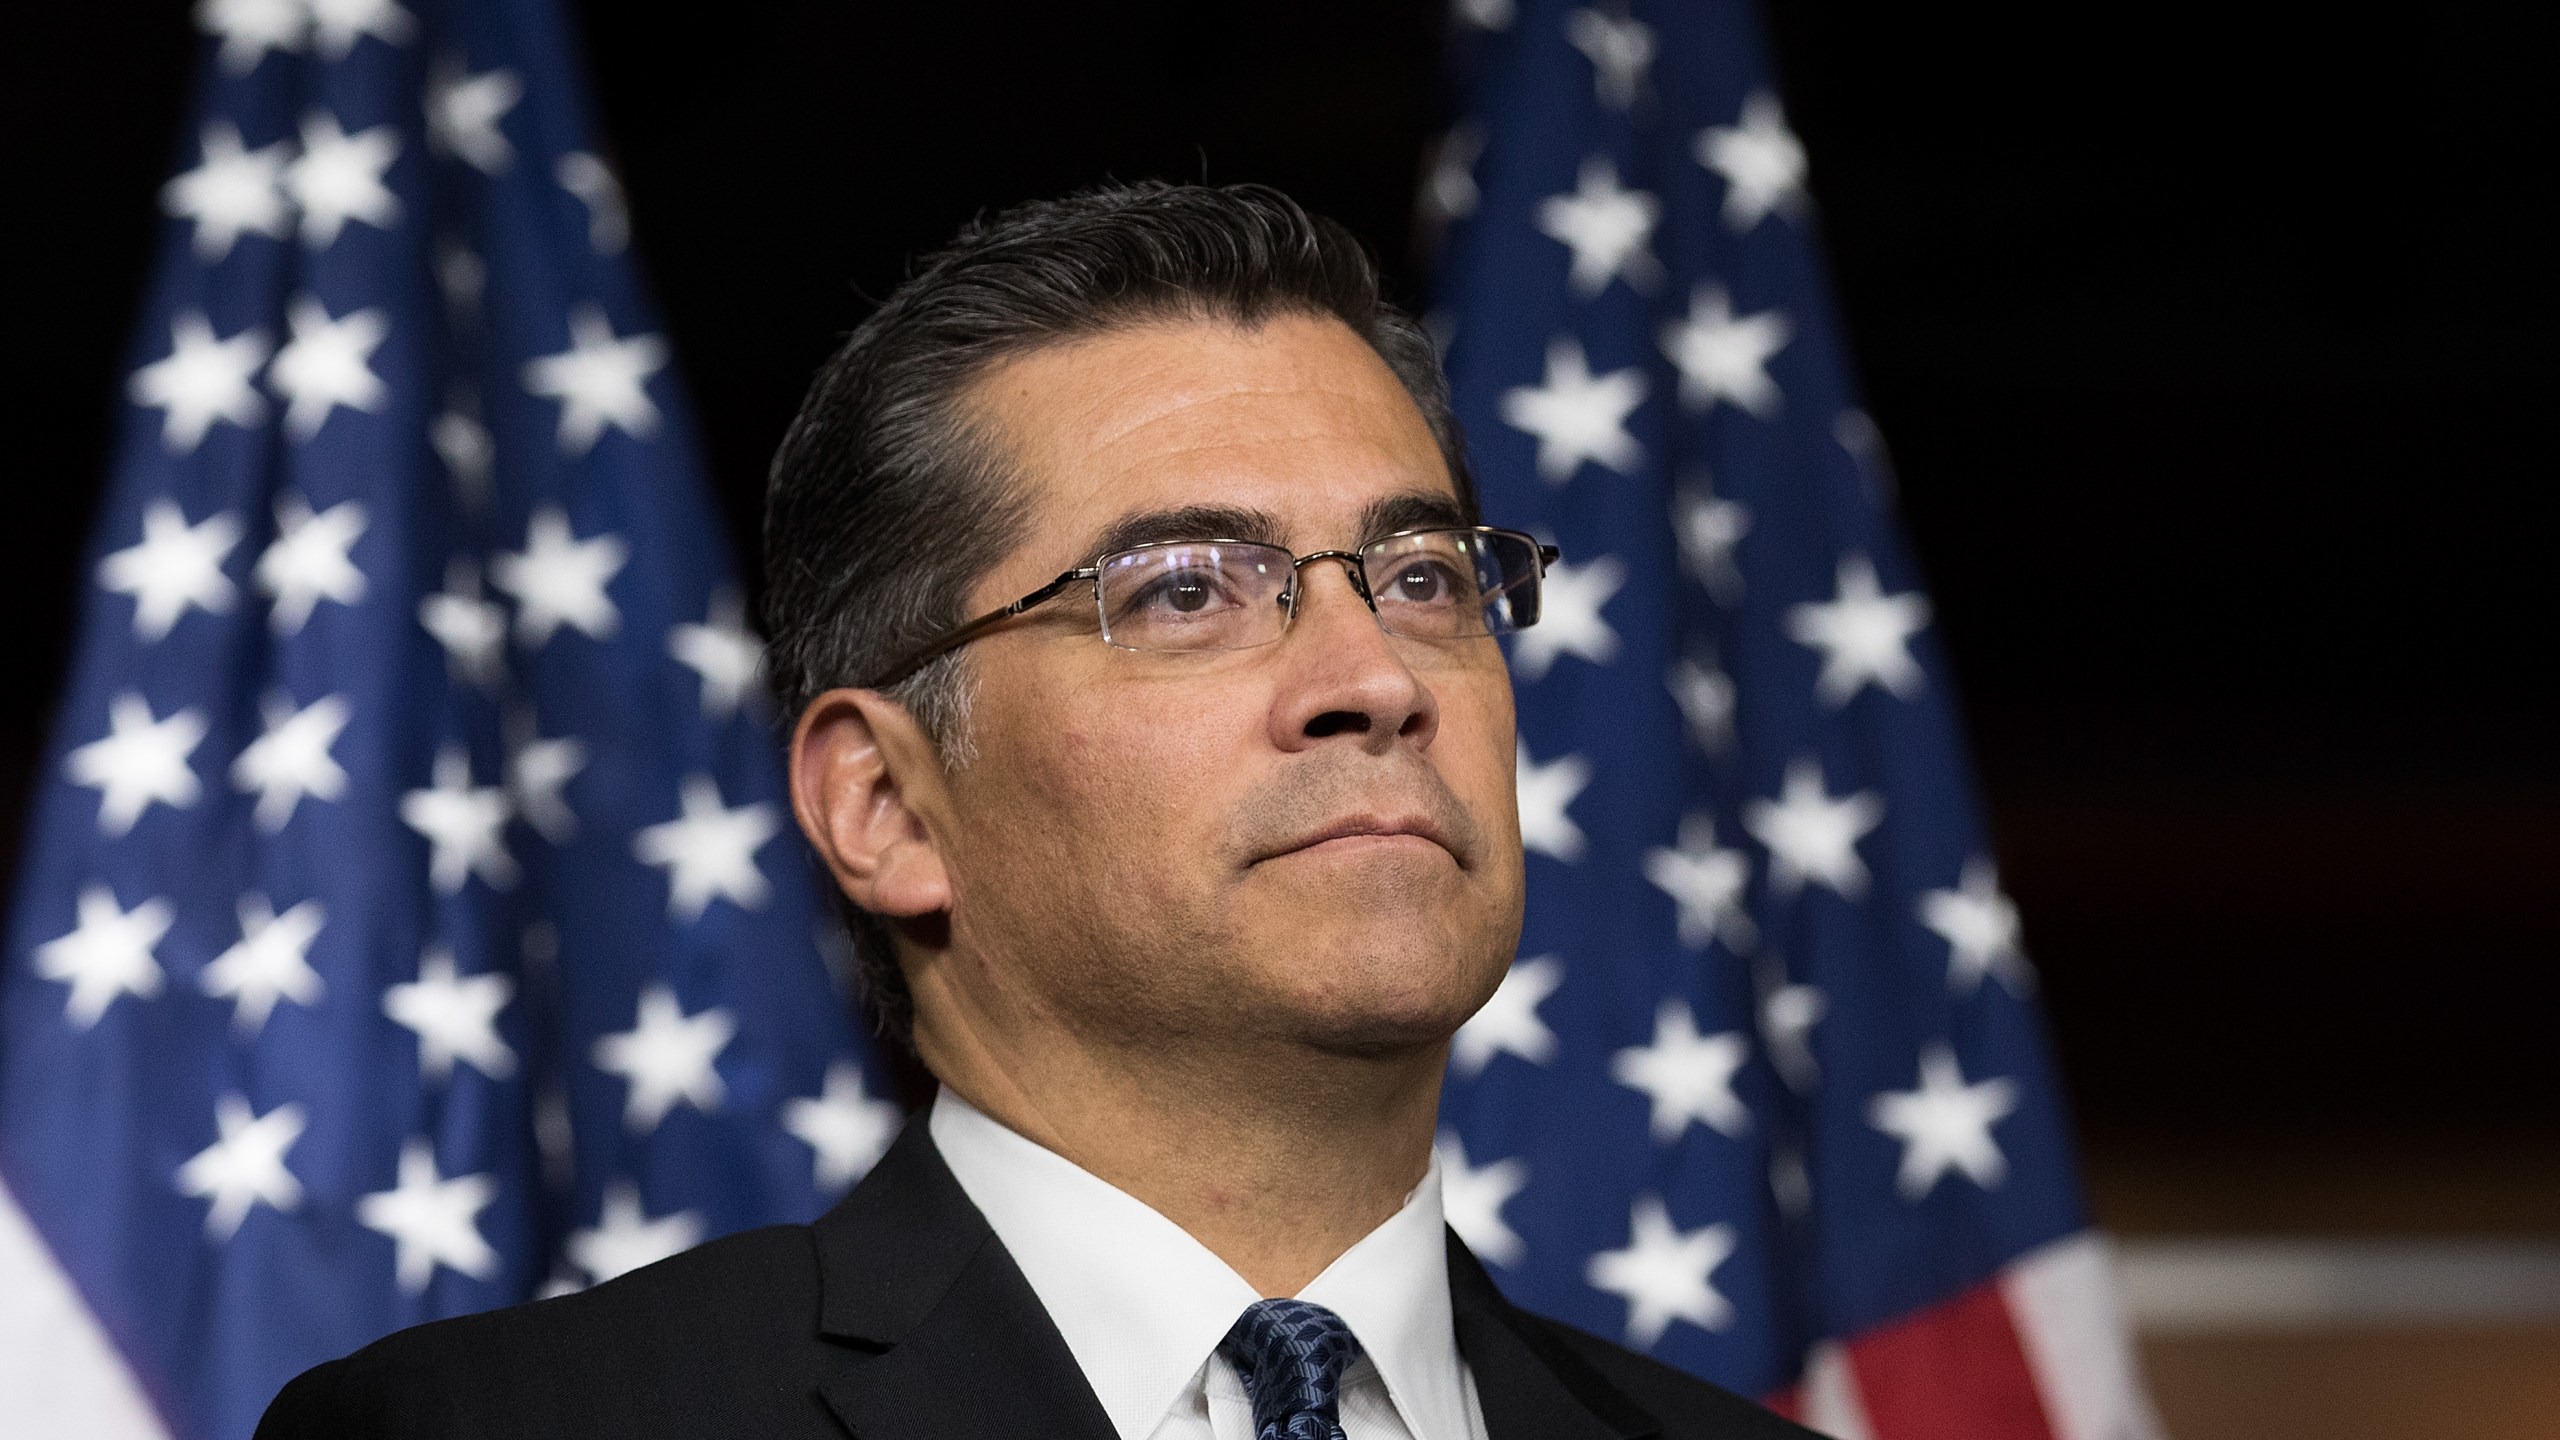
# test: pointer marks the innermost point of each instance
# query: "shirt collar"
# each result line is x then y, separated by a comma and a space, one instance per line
1141, 1304
1392, 1289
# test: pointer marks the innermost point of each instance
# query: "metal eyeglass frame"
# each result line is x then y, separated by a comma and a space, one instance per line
1353, 567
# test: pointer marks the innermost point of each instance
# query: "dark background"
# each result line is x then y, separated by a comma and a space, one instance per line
2213, 346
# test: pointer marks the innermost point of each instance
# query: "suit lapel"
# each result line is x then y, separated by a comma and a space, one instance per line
937, 1333
1530, 1386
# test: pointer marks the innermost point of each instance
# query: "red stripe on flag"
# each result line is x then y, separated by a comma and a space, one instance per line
1954, 1371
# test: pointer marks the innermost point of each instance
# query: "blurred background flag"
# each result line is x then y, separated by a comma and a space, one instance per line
412, 919
1766, 1093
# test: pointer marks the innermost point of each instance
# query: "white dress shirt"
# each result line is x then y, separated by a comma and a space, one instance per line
1143, 1305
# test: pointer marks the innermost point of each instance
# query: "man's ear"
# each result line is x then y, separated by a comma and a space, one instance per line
863, 777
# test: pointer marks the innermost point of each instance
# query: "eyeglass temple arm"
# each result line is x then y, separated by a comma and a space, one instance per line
953, 639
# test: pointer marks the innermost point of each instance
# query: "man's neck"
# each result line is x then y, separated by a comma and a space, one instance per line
1278, 1164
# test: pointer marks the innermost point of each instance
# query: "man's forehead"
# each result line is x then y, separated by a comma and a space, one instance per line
1291, 432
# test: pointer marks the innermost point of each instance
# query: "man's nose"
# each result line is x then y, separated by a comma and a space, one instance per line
1344, 674
1348, 564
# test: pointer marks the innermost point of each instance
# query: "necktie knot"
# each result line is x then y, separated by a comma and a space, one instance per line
1291, 1356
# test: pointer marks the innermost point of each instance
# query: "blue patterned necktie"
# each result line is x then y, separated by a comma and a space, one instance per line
1291, 1355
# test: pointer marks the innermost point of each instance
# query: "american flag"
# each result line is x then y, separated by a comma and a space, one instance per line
1765, 1093
411, 918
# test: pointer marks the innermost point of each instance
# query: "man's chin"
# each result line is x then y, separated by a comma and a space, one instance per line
1373, 993
1381, 1038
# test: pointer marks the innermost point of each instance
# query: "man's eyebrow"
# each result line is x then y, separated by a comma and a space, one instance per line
1187, 522
1413, 510
1387, 515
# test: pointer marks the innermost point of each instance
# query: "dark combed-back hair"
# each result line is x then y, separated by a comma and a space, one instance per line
888, 502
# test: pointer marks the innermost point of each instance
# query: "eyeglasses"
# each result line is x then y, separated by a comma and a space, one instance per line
1198, 595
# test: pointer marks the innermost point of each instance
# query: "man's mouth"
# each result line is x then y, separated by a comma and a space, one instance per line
1366, 830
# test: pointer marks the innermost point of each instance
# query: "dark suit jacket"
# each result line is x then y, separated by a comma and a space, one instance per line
897, 1314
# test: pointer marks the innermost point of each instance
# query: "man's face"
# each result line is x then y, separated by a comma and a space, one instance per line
1310, 843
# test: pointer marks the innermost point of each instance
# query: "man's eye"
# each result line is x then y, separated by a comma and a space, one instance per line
1189, 592
1426, 584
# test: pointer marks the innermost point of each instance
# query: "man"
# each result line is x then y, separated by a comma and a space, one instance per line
1127, 585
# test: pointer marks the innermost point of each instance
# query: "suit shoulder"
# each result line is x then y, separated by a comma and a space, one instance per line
1688, 1407
749, 1296
758, 1280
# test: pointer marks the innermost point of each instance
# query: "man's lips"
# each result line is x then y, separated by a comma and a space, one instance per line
1366, 827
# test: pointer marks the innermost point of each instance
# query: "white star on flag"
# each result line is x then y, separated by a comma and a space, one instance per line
1812, 836
233, 191
709, 851
1705, 881
307, 562
202, 379
338, 178
844, 1128
251, 28
1472, 1197
291, 760
624, 1238
1707, 700
1620, 51
1606, 226
592, 181
724, 652
463, 824
1509, 1022
1856, 433
469, 452
1451, 192
245, 1167
455, 1017
1544, 793
174, 566
1484, 14
1663, 1274
336, 25
107, 954
463, 112
137, 762
1688, 1076
667, 1056
1760, 159
432, 1221
1722, 357
537, 771
1980, 926
472, 630
599, 380
270, 962
324, 365
1569, 619
1863, 634
1708, 529
1945, 1125
558, 579
1577, 416
1788, 1013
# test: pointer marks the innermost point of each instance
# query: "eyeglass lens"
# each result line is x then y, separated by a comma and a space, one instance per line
1438, 584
